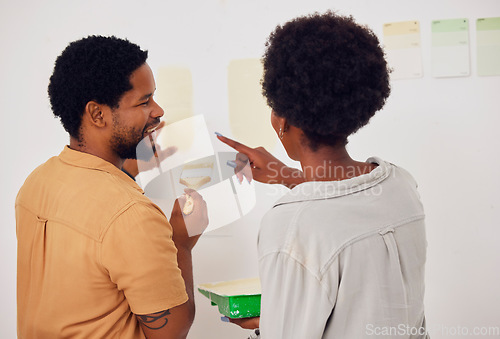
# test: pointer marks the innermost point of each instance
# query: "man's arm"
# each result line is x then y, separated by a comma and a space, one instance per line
176, 322
164, 324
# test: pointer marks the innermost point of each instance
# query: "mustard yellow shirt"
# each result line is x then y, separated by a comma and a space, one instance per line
92, 252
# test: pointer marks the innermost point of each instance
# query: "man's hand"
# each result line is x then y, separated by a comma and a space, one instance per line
259, 164
188, 228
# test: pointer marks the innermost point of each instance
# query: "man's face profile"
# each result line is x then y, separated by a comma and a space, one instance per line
137, 114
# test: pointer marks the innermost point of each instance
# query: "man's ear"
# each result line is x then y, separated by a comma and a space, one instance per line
94, 114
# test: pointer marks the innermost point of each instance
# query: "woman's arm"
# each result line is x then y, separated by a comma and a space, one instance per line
259, 164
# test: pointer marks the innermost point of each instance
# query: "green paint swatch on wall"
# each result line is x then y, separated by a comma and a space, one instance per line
488, 46
450, 48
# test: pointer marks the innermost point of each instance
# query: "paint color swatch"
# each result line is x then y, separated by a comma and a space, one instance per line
175, 93
249, 115
450, 48
403, 49
488, 46
189, 137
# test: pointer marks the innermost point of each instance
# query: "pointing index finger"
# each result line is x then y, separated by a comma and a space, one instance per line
234, 144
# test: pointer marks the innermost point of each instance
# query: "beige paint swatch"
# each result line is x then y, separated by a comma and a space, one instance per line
174, 93
403, 49
191, 139
249, 115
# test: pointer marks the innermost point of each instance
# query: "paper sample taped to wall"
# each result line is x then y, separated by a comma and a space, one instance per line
403, 49
450, 48
249, 114
174, 93
488, 46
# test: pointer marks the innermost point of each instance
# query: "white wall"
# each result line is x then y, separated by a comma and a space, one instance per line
441, 130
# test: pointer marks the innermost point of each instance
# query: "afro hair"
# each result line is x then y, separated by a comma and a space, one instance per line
326, 75
95, 68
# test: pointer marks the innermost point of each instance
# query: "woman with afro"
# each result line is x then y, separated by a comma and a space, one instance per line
342, 254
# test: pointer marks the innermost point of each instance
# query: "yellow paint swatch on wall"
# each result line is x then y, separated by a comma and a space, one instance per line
403, 49
249, 115
174, 93
190, 138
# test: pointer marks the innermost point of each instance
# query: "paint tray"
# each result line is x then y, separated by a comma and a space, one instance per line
236, 298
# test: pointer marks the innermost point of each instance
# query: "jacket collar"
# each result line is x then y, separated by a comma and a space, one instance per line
86, 160
320, 190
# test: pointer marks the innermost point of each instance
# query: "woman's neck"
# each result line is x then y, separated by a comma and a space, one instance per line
331, 164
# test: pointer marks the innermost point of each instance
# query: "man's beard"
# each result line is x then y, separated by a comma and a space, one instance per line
129, 142
124, 142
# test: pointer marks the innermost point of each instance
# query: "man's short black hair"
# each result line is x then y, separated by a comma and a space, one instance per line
326, 75
95, 68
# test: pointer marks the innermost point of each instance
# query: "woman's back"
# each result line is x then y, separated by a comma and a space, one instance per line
345, 259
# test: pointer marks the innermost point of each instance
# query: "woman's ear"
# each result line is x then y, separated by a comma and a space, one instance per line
286, 126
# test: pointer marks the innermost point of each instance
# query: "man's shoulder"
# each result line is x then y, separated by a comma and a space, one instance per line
85, 199
42, 173
57, 175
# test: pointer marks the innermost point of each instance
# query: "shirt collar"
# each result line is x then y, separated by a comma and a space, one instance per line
86, 160
319, 190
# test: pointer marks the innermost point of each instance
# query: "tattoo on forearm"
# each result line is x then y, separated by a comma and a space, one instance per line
150, 320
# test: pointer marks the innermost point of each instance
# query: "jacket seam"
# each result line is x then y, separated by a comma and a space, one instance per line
110, 224
59, 221
316, 277
358, 238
